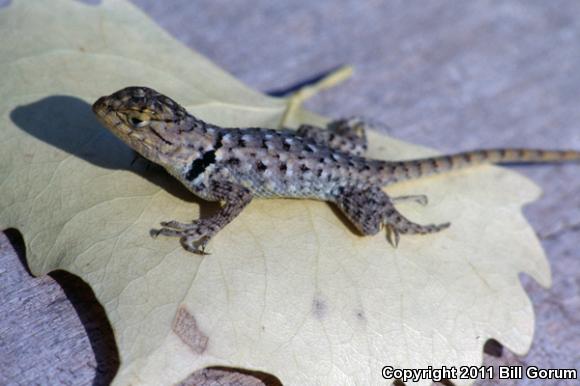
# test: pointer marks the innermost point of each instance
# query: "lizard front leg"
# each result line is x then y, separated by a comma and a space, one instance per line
194, 236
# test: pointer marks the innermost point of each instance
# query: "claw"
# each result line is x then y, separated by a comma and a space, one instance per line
203, 252
422, 200
393, 235
196, 246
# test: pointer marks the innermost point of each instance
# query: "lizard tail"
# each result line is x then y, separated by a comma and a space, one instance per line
406, 170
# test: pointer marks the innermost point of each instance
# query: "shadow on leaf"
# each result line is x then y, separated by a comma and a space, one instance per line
68, 123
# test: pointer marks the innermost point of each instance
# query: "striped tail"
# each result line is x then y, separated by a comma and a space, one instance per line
406, 170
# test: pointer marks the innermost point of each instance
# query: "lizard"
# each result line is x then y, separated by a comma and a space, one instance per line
235, 165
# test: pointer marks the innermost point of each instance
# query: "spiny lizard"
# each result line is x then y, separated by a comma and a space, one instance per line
233, 165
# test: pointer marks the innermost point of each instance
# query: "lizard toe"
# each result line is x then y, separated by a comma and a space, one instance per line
180, 225
393, 235
165, 232
195, 244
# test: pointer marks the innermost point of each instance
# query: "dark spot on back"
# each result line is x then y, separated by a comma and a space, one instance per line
218, 142
195, 169
199, 165
208, 158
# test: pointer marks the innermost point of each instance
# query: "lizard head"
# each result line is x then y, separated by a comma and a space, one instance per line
146, 120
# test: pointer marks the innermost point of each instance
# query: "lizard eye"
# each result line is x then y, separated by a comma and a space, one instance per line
135, 121
138, 120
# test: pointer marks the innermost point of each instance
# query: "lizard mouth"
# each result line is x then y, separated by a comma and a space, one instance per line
105, 114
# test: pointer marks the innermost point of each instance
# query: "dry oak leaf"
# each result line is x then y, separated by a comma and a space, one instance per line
289, 289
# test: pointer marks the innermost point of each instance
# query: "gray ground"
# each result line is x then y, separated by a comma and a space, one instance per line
446, 74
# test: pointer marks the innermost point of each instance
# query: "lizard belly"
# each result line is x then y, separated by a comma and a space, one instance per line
303, 187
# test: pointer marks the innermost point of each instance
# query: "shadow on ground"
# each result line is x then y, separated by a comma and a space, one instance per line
91, 314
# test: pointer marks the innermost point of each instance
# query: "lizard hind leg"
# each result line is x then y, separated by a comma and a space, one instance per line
370, 209
363, 207
347, 135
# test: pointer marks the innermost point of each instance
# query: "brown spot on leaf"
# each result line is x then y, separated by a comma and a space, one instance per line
187, 330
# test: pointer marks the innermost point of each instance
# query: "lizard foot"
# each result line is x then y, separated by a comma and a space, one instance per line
193, 236
394, 230
397, 224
